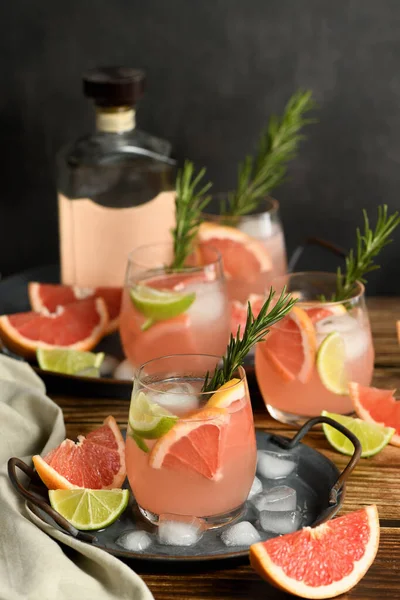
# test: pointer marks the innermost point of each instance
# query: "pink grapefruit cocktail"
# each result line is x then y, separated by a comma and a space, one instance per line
173, 312
189, 453
307, 360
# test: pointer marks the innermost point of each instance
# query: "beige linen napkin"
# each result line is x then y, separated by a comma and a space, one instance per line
32, 565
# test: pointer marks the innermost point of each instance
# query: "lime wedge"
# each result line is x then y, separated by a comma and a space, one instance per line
372, 437
89, 509
331, 364
158, 305
149, 420
70, 362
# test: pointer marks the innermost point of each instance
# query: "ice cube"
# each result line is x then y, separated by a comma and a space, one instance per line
256, 488
124, 371
284, 521
258, 226
280, 498
135, 541
354, 335
210, 304
274, 465
108, 366
174, 530
178, 398
240, 534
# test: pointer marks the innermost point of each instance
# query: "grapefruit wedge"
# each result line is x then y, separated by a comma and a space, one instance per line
77, 326
193, 444
291, 345
50, 296
243, 256
377, 406
320, 562
317, 313
239, 311
96, 461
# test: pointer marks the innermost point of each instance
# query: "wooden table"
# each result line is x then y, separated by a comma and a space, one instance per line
375, 480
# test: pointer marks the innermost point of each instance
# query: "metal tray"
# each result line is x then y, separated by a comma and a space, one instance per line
320, 494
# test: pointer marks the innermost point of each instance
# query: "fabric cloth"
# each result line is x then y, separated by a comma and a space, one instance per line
32, 565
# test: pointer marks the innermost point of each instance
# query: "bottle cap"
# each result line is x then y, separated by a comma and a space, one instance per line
114, 86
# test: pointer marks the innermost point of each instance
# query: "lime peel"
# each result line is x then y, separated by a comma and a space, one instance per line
160, 305
331, 364
148, 420
70, 362
373, 438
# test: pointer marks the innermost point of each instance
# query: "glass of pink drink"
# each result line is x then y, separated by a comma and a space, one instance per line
307, 360
252, 247
166, 311
189, 453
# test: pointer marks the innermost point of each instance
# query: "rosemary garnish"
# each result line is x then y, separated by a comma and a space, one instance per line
189, 204
361, 261
278, 144
255, 330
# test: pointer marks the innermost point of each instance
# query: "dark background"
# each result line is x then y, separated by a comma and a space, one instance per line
216, 70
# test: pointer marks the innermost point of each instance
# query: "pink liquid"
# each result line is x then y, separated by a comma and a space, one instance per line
240, 288
202, 329
186, 492
310, 398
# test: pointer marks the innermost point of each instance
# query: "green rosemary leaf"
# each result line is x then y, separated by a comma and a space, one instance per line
369, 244
278, 144
190, 201
255, 330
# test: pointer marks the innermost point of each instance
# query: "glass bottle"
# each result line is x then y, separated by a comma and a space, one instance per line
115, 186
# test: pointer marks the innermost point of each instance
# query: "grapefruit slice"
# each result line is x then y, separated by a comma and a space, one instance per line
291, 346
320, 562
243, 256
239, 311
377, 406
194, 443
232, 391
96, 461
77, 326
50, 296
317, 313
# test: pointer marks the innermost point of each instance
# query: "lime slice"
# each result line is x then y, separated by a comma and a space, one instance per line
89, 509
70, 362
331, 364
149, 420
372, 437
158, 305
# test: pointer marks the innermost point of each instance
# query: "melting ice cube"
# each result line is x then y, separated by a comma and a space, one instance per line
280, 498
240, 534
124, 371
256, 488
274, 465
355, 337
284, 521
210, 303
179, 398
135, 541
179, 531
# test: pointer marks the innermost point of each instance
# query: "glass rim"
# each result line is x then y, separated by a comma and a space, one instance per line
272, 209
188, 269
152, 387
359, 288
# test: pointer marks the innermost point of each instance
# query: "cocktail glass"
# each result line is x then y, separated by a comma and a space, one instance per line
189, 453
173, 311
252, 247
307, 360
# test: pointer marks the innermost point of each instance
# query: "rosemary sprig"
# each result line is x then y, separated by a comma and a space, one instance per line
278, 144
189, 204
369, 244
255, 330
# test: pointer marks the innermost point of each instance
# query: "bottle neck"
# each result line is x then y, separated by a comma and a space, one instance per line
118, 119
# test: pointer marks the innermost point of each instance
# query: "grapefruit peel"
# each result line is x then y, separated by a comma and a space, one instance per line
308, 557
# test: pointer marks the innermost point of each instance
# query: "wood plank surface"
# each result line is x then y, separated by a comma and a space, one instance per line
375, 480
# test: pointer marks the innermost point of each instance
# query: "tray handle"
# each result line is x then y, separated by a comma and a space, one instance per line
41, 503
289, 444
314, 241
